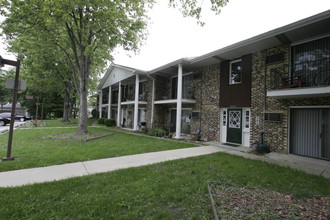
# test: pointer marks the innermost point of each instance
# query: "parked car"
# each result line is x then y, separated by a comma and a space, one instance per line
17, 117
4, 121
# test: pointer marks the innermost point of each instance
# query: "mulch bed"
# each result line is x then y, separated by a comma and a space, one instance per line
237, 202
75, 137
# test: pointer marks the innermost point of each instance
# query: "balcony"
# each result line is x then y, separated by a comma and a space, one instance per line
310, 79
187, 97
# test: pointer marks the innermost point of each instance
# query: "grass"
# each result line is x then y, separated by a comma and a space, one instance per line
34, 151
72, 123
169, 190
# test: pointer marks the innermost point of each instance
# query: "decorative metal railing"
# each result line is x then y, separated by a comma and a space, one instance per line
307, 74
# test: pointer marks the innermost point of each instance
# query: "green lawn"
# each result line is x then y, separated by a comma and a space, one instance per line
169, 190
72, 123
34, 151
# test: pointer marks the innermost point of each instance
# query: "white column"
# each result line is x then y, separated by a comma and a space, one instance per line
109, 103
179, 103
100, 104
136, 103
119, 105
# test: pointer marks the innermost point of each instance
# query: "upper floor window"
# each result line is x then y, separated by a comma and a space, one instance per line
187, 90
310, 58
143, 91
114, 97
235, 72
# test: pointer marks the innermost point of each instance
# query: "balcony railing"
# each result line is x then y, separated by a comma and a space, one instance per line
308, 74
131, 97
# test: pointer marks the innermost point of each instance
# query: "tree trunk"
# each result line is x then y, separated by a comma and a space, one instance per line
66, 107
70, 108
82, 120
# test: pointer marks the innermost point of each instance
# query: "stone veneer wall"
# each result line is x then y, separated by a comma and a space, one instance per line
206, 84
276, 133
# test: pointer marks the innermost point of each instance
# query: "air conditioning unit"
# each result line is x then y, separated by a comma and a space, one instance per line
273, 117
275, 58
195, 114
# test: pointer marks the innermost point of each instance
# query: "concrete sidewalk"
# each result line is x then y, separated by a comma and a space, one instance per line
308, 165
58, 172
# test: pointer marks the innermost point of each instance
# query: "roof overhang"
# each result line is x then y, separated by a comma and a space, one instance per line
172, 67
308, 28
311, 27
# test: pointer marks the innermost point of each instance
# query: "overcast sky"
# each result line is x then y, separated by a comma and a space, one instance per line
172, 37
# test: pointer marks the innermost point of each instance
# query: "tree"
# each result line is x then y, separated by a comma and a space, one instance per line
86, 31
6, 95
45, 67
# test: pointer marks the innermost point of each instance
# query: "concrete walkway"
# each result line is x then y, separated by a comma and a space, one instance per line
58, 172
308, 165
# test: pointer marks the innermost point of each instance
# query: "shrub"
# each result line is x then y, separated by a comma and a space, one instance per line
95, 113
157, 132
110, 122
100, 121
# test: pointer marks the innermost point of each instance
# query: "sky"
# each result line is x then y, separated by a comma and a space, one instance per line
171, 36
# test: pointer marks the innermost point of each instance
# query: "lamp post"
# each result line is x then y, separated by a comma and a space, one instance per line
12, 119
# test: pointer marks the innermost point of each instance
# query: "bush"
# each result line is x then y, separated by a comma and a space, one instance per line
157, 132
100, 121
110, 122
95, 113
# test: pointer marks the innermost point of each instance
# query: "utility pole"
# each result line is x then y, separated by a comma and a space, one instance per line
12, 119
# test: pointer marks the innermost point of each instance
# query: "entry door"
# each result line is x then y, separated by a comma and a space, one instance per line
310, 132
141, 116
114, 114
185, 121
124, 116
234, 126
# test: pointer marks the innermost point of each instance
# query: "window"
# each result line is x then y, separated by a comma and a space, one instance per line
143, 91
247, 118
114, 98
234, 119
311, 58
187, 91
224, 118
174, 88
235, 72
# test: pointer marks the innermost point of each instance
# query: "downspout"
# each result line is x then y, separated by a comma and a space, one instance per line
265, 93
152, 101
100, 103
201, 101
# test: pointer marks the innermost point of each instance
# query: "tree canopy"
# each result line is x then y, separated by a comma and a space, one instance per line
84, 31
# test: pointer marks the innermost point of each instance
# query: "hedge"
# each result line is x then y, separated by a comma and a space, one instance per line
110, 122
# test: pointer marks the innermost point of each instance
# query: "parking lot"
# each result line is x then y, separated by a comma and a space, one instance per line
4, 129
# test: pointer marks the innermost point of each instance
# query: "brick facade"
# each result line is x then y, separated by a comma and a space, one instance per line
206, 84
276, 133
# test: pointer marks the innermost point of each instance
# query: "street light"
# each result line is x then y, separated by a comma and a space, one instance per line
4, 62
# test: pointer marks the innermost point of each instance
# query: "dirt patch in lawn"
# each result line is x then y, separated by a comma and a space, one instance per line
75, 137
237, 202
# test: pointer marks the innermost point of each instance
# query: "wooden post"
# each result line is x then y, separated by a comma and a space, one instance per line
13, 109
